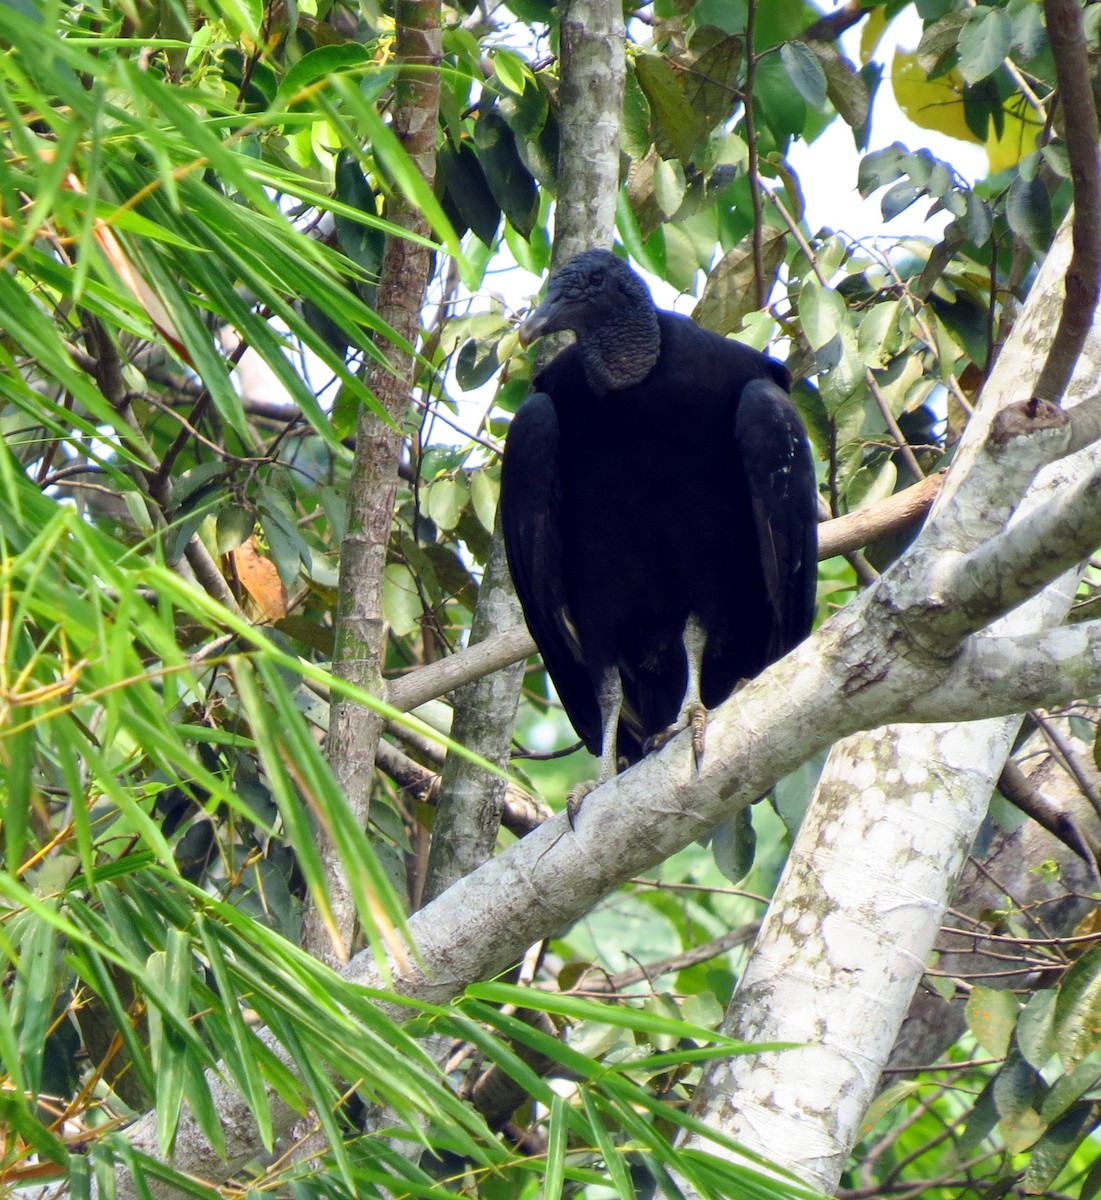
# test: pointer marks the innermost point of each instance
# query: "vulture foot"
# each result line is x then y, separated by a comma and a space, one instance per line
693, 717
573, 800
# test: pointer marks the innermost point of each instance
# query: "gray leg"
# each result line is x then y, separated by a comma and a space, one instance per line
610, 699
692, 713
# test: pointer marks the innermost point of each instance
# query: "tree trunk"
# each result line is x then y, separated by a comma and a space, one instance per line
361, 625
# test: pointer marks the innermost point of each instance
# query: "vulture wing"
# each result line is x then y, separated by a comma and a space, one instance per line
780, 474
532, 528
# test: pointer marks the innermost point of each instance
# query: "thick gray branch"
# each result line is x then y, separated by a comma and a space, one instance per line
1018, 672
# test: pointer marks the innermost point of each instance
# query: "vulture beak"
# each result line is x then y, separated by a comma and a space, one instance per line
547, 318
529, 330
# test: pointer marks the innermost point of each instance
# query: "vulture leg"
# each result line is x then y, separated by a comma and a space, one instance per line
610, 699
692, 713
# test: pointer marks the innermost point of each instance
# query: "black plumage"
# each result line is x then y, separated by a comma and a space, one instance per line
659, 511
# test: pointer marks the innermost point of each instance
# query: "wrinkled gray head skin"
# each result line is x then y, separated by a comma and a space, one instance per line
610, 309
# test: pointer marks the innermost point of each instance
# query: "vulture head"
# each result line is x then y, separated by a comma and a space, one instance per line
609, 308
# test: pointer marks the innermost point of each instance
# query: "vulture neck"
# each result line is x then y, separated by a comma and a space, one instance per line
620, 353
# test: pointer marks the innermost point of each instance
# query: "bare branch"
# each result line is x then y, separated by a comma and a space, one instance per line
857, 529
447, 674
522, 813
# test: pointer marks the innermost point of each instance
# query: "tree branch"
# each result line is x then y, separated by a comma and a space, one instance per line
858, 529
1044, 668
1083, 279
447, 674
521, 814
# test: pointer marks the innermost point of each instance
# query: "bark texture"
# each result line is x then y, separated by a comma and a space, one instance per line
592, 73
361, 626
1050, 905
471, 801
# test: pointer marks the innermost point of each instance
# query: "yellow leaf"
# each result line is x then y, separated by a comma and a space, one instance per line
1018, 139
930, 103
937, 104
874, 28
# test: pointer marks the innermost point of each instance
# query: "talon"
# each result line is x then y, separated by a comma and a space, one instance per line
573, 800
660, 739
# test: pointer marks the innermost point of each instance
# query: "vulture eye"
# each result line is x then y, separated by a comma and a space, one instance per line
596, 278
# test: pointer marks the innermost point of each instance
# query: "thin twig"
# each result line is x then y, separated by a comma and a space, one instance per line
1066, 754
754, 160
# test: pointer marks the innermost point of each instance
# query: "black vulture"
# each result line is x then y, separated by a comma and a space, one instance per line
659, 510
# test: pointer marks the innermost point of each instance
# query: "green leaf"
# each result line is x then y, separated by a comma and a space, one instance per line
734, 843
981, 1121
871, 483
476, 362
1028, 211
317, 64
556, 1149
779, 105
849, 90
898, 199
1077, 1022
244, 17
579, 1009
1054, 1149
711, 84
879, 337
467, 190
634, 131
400, 599
880, 168
235, 525
823, 313
509, 181
1036, 1028
668, 185
1091, 1185
888, 1100
484, 491
730, 292
805, 72
32, 998
446, 501
362, 239
991, 1016
671, 111
511, 70
1016, 1091
1068, 1090
984, 43
1029, 35
168, 1050
614, 1159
